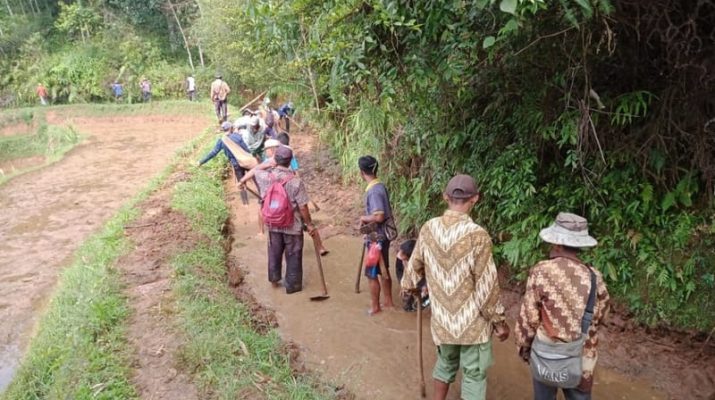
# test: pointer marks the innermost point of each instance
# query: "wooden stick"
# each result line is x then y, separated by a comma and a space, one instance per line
252, 101
418, 300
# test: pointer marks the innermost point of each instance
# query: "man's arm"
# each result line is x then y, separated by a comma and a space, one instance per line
250, 174
217, 148
529, 318
377, 205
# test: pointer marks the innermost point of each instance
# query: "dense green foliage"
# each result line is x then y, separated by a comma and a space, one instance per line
597, 107
77, 49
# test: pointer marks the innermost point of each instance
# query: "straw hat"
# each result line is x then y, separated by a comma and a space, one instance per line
568, 230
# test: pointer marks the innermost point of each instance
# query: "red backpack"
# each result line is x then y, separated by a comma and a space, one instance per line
277, 210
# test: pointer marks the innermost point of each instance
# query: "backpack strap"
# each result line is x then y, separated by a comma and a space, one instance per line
588, 313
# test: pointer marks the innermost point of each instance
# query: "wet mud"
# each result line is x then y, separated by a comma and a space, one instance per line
46, 214
376, 357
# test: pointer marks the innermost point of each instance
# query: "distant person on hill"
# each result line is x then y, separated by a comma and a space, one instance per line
191, 87
454, 254
145, 86
41, 91
219, 95
226, 127
565, 302
118, 91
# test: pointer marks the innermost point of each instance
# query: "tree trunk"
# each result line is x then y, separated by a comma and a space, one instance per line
198, 42
183, 35
22, 7
9, 10
201, 53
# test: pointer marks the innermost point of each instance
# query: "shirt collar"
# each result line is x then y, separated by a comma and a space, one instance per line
372, 183
455, 214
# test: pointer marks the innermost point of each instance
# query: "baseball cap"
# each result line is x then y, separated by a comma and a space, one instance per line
226, 126
461, 187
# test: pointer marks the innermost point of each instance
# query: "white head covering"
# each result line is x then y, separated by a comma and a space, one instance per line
568, 230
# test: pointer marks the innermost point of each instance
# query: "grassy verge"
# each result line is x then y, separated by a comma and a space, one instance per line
80, 349
230, 358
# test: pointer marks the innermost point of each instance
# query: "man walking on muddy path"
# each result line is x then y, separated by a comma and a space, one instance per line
219, 95
555, 307
286, 241
377, 212
239, 171
455, 255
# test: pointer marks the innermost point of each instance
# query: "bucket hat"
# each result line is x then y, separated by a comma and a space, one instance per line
568, 230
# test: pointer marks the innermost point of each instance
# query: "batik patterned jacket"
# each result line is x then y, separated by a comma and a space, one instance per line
455, 255
556, 295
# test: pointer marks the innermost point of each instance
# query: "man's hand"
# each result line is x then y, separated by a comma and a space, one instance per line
524, 353
310, 227
501, 330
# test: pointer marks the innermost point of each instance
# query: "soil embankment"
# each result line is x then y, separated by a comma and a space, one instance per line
375, 357
46, 214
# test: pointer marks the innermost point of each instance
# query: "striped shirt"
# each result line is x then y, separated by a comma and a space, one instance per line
455, 255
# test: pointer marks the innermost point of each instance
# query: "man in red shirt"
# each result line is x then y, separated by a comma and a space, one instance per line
41, 93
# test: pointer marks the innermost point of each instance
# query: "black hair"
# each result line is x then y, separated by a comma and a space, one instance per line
408, 246
456, 200
283, 138
574, 249
368, 165
282, 161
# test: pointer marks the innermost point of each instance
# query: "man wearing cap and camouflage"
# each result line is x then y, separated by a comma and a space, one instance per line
219, 95
286, 242
553, 307
455, 255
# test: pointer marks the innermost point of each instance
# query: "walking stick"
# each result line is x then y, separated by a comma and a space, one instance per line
323, 296
252, 101
418, 300
359, 271
260, 217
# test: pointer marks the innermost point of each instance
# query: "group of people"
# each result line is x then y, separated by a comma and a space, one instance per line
449, 267
144, 86
451, 259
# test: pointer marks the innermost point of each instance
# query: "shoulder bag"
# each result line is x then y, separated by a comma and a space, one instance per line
559, 364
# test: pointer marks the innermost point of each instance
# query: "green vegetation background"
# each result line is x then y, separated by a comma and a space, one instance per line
597, 107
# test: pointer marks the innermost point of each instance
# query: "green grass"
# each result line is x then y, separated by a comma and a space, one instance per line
80, 350
230, 358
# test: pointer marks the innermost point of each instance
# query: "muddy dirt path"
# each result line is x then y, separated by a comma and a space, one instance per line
375, 357
158, 234
46, 214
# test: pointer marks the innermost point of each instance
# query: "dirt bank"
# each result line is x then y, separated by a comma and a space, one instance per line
46, 214
158, 234
375, 356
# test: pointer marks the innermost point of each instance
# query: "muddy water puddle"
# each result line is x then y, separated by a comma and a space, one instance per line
46, 214
375, 357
